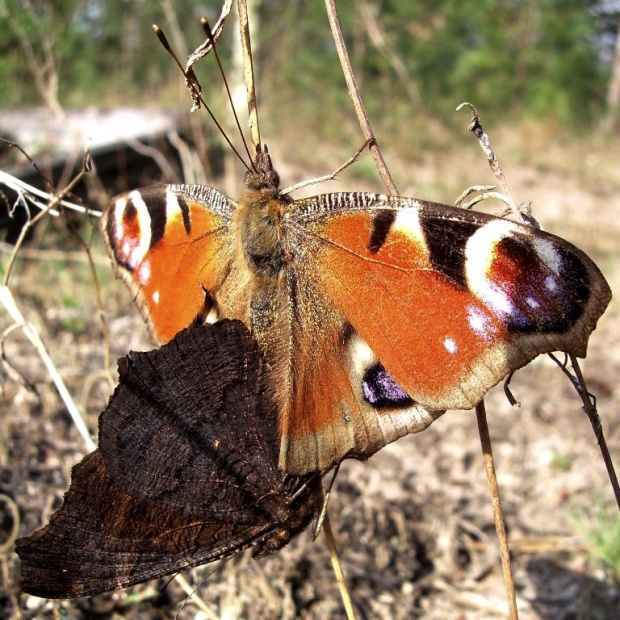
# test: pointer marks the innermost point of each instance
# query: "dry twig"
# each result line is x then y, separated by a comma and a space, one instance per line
389, 183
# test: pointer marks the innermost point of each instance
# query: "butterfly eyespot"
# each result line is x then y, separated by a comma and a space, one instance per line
381, 391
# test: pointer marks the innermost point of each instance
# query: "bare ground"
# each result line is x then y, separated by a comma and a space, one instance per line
413, 524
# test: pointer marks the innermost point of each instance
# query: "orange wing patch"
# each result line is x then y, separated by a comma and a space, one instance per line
408, 298
172, 252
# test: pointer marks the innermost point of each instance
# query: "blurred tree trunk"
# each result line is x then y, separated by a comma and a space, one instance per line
613, 92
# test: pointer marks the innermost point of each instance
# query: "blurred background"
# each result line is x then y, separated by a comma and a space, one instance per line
549, 68
414, 524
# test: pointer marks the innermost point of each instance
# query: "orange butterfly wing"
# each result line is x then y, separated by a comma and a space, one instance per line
375, 313
171, 245
450, 301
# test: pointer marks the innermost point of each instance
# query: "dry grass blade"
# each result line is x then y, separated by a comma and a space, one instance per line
248, 71
389, 183
337, 567
191, 592
475, 126
30, 331
498, 517
216, 31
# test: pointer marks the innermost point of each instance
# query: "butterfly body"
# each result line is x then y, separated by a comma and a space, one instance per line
375, 313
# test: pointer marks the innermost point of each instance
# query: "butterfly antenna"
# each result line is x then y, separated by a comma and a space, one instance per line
193, 85
207, 28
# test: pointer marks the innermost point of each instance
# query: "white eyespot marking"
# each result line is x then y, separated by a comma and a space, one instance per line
361, 354
408, 222
173, 208
156, 297
450, 345
551, 284
133, 241
144, 273
532, 303
480, 251
548, 254
480, 324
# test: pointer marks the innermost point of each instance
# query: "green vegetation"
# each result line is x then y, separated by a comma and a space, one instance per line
549, 59
560, 462
600, 529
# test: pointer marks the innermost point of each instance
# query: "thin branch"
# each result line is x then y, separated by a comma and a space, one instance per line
156, 155
589, 407
30, 331
358, 104
487, 455
54, 202
327, 177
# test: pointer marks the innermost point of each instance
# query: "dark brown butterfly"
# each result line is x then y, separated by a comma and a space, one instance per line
186, 472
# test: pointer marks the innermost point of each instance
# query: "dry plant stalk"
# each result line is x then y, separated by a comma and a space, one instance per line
30, 331
522, 212
49, 206
248, 71
388, 181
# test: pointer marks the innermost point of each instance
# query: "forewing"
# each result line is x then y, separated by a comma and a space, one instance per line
450, 301
171, 245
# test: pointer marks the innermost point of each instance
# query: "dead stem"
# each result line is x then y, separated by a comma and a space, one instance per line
589, 406
356, 98
504, 551
337, 567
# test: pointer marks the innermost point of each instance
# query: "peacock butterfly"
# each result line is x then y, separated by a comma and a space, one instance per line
375, 313
186, 472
